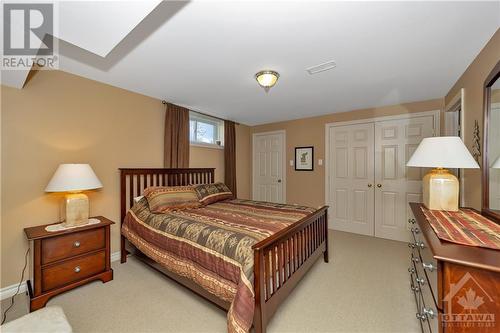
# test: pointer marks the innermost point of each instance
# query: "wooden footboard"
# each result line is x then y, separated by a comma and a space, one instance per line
281, 260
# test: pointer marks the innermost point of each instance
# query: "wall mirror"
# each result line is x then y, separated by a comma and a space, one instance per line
491, 146
453, 121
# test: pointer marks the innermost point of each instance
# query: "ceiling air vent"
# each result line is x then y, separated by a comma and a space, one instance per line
321, 67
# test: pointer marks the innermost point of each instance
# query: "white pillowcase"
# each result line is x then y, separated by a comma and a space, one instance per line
137, 199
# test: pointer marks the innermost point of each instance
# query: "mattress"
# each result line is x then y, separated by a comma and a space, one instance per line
212, 245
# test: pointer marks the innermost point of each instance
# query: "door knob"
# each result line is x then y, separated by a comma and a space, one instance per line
379, 185
370, 185
279, 180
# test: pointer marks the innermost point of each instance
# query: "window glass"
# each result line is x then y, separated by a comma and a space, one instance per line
205, 130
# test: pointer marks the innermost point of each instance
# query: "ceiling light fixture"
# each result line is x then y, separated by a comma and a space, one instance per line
267, 79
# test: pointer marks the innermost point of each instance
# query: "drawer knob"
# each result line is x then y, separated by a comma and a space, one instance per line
415, 230
411, 270
430, 267
421, 245
421, 317
412, 221
411, 245
429, 313
415, 289
420, 281
77, 269
76, 244
415, 259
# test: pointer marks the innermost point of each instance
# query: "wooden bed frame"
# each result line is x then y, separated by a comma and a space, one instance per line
292, 250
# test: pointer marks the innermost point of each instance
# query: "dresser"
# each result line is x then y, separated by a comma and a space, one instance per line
456, 287
63, 260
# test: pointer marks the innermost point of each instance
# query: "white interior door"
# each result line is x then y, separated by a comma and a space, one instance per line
268, 173
351, 170
396, 184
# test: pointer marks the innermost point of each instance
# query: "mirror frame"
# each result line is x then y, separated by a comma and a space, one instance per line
485, 210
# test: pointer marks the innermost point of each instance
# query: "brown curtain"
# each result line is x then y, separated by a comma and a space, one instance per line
230, 155
176, 137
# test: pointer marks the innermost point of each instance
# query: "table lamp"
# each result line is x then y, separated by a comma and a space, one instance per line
440, 187
73, 179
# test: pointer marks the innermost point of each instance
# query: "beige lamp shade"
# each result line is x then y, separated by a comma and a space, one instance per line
442, 152
496, 164
73, 178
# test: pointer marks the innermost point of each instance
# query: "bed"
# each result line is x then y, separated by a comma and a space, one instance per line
277, 244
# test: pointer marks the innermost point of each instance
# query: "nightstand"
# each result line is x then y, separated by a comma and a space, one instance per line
63, 260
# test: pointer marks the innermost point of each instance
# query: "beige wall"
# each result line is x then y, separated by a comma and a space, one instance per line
62, 118
472, 80
308, 187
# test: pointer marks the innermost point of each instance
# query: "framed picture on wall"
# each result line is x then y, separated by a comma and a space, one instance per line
304, 158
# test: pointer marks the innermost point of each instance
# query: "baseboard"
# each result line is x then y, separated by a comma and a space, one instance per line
115, 256
10, 291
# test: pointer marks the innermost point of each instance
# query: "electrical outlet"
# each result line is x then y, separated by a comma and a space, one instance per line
320, 162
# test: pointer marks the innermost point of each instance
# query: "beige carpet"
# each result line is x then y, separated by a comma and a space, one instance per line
364, 288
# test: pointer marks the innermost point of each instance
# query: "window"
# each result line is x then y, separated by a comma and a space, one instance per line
205, 130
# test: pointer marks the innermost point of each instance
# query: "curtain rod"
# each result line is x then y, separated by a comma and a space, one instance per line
208, 115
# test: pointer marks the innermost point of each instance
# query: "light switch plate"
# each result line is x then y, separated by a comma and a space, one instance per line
291, 162
320, 162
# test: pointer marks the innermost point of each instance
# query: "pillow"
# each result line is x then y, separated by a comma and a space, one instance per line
164, 199
210, 193
139, 198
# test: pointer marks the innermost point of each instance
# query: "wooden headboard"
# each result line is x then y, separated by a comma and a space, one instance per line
134, 181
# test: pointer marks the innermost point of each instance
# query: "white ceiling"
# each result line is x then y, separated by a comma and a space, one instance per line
85, 24
203, 55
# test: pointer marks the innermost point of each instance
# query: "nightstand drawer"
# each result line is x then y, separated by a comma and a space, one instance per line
72, 270
67, 246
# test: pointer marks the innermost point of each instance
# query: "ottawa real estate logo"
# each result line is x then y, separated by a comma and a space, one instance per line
467, 305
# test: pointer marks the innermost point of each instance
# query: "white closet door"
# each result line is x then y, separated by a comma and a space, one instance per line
396, 184
351, 190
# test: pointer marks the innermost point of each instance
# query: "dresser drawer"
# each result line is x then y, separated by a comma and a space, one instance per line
67, 246
61, 274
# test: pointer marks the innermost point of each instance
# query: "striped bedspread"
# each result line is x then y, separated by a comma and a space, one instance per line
212, 245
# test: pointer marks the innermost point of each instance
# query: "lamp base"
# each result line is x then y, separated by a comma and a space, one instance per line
76, 208
440, 190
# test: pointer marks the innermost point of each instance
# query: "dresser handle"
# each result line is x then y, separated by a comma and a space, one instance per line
415, 259
420, 281
411, 245
76, 244
411, 270
415, 289
415, 230
77, 269
421, 245
421, 317
430, 267
412, 221
429, 313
